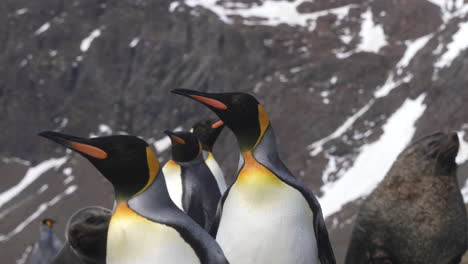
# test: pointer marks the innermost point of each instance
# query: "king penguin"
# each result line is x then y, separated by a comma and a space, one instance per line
207, 131
267, 215
146, 226
190, 183
48, 245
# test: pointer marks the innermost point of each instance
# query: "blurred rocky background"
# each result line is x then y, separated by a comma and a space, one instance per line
347, 84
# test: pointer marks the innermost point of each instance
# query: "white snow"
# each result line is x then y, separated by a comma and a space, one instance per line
317, 146
165, 142
41, 209
43, 188
173, 6
17, 160
85, 43
391, 84
372, 35
458, 44
31, 175
450, 9
412, 47
268, 13
25, 255
21, 11
105, 129
462, 155
42, 29
134, 42
67, 171
374, 160
68, 179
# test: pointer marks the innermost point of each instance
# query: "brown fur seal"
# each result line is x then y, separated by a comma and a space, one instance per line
86, 237
416, 214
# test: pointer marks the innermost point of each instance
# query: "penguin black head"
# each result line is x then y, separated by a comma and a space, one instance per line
126, 161
207, 131
47, 222
185, 146
241, 112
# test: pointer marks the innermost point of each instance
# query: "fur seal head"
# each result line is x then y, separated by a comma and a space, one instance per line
87, 233
435, 153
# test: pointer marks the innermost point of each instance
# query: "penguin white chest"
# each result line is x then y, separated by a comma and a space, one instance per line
133, 239
217, 172
270, 223
173, 176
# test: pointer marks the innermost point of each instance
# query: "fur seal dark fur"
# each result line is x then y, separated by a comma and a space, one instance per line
416, 214
86, 237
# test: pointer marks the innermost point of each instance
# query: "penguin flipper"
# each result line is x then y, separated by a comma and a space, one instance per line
213, 230
325, 249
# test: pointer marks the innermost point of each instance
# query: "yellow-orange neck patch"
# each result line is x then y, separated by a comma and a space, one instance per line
263, 122
254, 173
153, 168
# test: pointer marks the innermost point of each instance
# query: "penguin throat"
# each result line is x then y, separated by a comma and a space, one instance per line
254, 173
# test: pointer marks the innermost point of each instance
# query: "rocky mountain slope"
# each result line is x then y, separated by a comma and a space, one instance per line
347, 84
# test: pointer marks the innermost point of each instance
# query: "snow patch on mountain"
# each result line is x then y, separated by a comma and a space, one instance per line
458, 44
462, 155
412, 47
86, 43
372, 35
317, 147
374, 160
21, 11
450, 9
267, 13
42, 29
31, 175
40, 209
24, 257
16, 160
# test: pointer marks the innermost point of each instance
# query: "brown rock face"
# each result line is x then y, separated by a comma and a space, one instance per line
407, 19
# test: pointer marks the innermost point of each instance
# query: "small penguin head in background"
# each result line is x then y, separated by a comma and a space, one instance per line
241, 112
434, 153
126, 161
185, 146
207, 131
47, 222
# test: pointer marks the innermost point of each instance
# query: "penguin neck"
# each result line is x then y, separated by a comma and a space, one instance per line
265, 146
45, 233
153, 199
264, 155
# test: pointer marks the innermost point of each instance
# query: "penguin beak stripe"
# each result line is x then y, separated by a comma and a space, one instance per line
88, 150
217, 124
178, 139
211, 102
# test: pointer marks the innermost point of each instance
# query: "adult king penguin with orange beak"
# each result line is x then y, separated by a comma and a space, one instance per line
146, 227
267, 215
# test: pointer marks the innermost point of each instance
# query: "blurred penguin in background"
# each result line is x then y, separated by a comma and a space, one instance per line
48, 246
207, 131
190, 182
